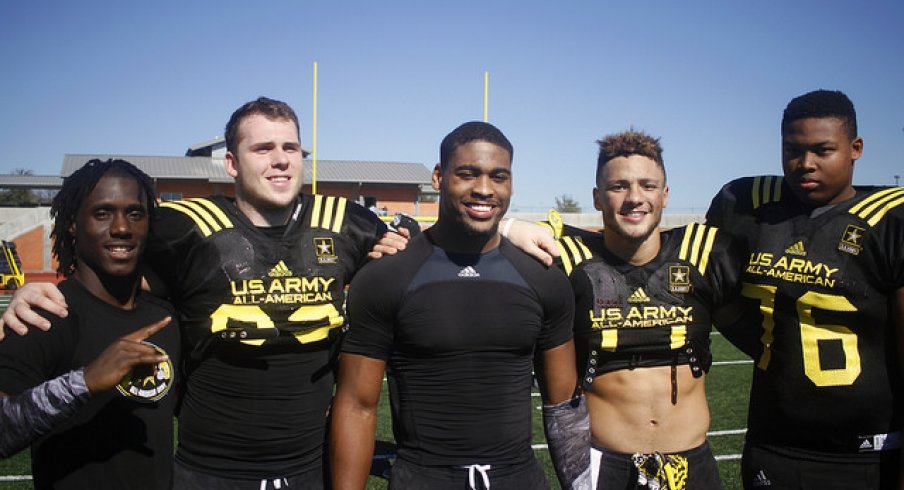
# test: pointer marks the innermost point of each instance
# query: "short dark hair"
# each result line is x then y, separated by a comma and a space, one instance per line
65, 206
625, 144
472, 131
820, 104
271, 109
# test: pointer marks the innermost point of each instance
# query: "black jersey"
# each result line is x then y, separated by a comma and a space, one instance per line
259, 308
121, 438
818, 285
459, 333
656, 314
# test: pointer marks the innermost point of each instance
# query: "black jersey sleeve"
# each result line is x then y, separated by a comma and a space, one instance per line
888, 243
743, 196
363, 228
554, 293
167, 248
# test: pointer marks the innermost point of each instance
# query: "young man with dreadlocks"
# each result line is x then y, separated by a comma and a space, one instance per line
57, 385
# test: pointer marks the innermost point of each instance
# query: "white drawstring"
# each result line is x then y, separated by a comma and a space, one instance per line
277, 483
478, 468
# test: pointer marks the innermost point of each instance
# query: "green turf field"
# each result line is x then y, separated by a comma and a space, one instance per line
727, 386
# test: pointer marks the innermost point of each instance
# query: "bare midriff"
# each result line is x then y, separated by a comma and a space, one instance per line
631, 410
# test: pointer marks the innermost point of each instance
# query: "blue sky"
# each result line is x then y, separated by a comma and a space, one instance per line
710, 77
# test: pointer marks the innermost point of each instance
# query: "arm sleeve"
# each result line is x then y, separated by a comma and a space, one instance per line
35, 411
567, 427
33, 405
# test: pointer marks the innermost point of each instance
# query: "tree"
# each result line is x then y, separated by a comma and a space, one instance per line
19, 196
567, 204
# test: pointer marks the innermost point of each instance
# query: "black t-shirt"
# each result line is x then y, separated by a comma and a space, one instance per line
118, 439
255, 406
459, 333
818, 285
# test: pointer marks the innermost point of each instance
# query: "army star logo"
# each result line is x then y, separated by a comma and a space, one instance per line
325, 251
679, 279
851, 240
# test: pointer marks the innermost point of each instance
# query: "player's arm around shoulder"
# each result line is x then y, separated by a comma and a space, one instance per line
21, 314
368, 234
354, 420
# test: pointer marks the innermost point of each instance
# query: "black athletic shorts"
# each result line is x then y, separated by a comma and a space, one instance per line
185, 478
409, 476
765, 467
694, 469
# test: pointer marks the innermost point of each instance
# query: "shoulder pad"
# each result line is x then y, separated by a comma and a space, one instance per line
696, 245
875, 206
208, 217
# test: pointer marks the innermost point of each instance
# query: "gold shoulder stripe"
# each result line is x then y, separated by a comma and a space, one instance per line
697, 244
707, 249
874, 207
215, 210
328, 212
881, 213
572, 252
567, 263
339, 215
203, 213
766, 189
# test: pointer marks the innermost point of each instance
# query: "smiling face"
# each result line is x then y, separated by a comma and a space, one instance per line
818, 160
266, 165
475, 188
631, 193
110, 229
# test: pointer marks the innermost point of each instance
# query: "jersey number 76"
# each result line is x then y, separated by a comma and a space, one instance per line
811, 333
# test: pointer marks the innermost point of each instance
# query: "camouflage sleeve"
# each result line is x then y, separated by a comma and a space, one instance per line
567, 426
34, 412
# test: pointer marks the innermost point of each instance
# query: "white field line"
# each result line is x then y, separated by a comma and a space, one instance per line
16, 478
729, 363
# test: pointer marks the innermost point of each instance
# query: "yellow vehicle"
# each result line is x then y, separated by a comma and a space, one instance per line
11, 276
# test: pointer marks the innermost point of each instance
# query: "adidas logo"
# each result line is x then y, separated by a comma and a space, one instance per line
468, 272
280, 270
796, 249
638, 296
760, 480
866, 445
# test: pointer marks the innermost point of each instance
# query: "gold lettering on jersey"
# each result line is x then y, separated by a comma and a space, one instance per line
282, 290
642, 316
797, 270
